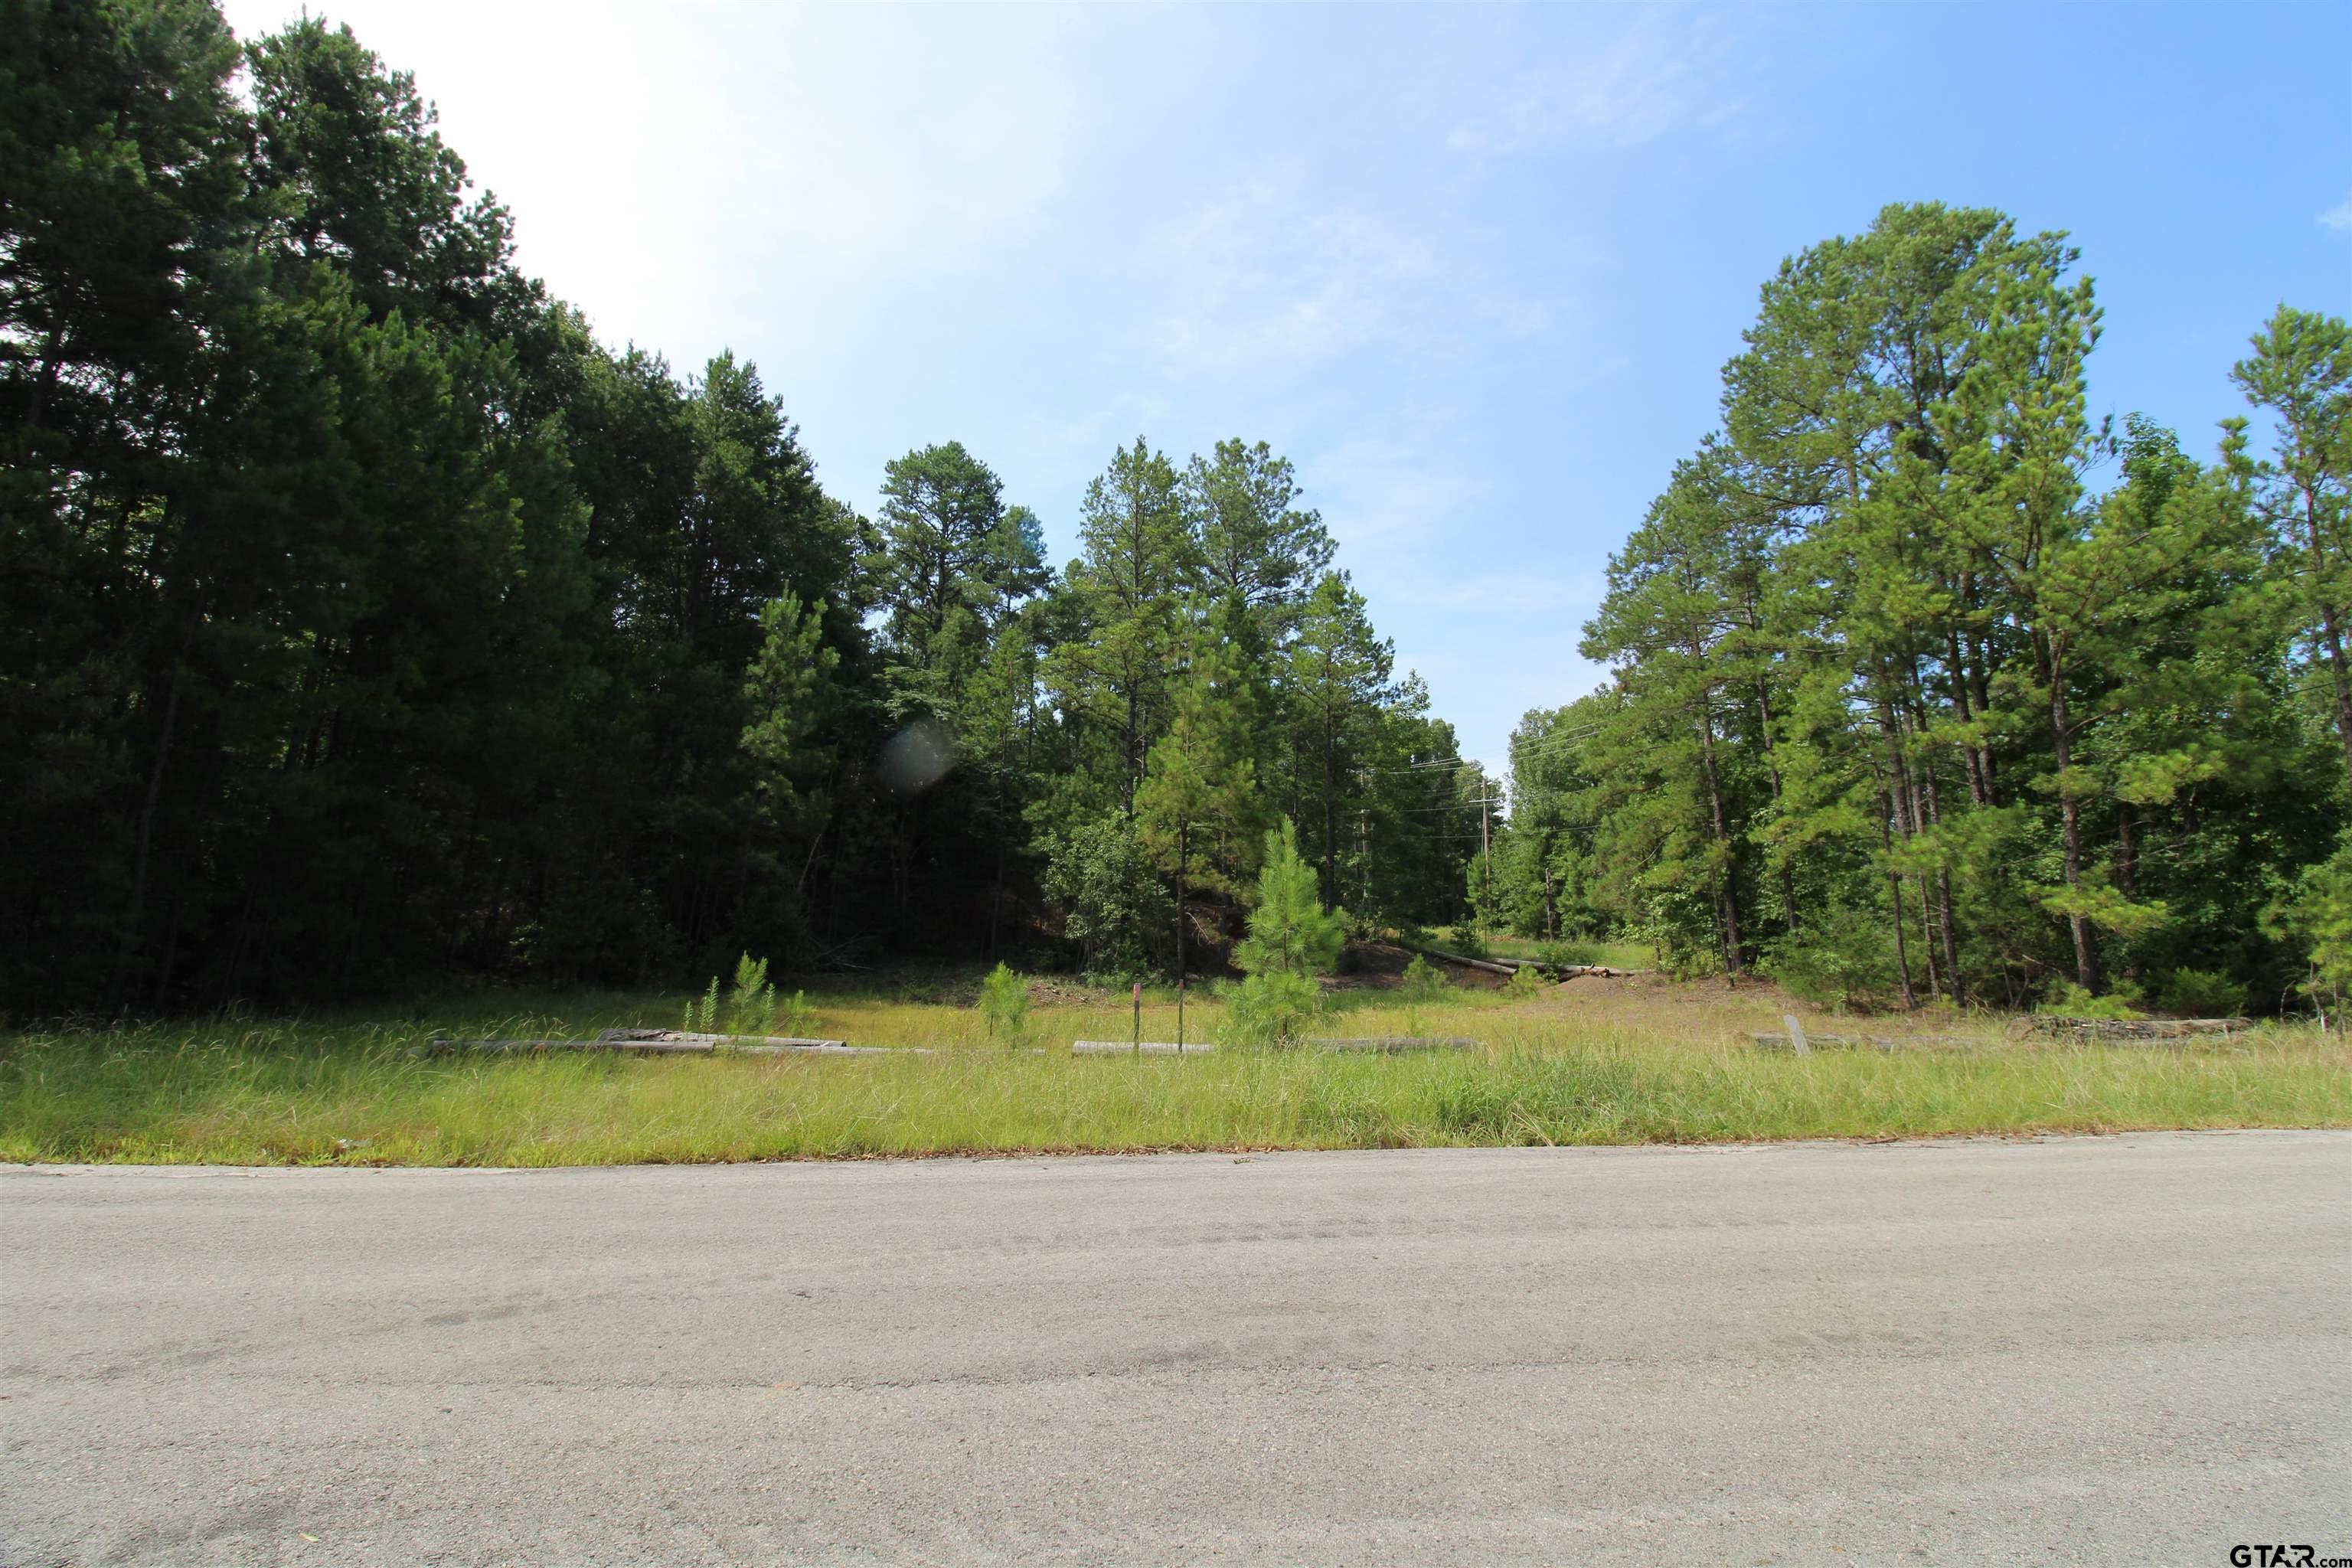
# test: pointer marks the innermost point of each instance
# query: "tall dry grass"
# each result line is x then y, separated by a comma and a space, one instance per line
361, 1092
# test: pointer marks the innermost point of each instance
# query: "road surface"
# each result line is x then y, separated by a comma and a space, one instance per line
2131, 1350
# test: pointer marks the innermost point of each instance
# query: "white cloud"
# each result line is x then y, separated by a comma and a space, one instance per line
2339, 216
1264, 277
695, 178
1663, 72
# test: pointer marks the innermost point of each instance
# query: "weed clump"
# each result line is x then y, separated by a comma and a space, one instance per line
1423, 983
1005, 1006
751, 1007
1527, 983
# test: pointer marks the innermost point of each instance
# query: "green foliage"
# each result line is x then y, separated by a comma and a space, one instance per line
1844, 960
1005, 1006
1526, 983
1571, 954
1423, 983
1102, 878
796, 1017
752, 1003
702, 1013
1290, 931
2316, 916
1271, 1007
1904, 709
2199, 993
371, 623
2067, 1000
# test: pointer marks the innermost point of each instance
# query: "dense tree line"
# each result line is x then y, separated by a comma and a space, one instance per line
1928, 685
370, 624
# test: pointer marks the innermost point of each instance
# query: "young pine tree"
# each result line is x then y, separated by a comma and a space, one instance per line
1292, 940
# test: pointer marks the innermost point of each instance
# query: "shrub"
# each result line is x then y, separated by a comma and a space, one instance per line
1423, 983
2316, 917
1005, 1006
1527, 982
2199, 993
702, 1017
2068, 1000
1271, 1008
1568, 954
1112, 901
798, 1017
751, 1006
1842, 959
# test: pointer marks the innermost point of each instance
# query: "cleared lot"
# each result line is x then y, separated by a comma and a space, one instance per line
2127, 1349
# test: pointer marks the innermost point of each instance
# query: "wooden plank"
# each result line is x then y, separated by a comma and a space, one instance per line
655, 1047
1369, 1043
661, 1043
626, 1038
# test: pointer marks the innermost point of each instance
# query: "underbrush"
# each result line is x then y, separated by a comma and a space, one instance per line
356, 1091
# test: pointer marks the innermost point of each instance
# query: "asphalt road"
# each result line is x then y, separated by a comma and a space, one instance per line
2131, 1350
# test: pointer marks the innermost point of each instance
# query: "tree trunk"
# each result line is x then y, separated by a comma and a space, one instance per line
1895, 893
1728, 896
2127, 874
2070, 811
1947, 926
1927, 934
135, 918
1183, 844
1330, 816
1978, 794
1134, 766
1772, 766
1981, 685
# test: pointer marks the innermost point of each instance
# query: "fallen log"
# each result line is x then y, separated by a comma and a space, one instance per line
626, 1039
670, 1043
1778, 1042
2131, 1028
1510, 966
1490, 965
650, 1048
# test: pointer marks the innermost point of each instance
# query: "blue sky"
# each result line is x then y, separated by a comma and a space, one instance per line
1474, 269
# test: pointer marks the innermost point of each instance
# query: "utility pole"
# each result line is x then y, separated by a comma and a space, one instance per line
1486, 802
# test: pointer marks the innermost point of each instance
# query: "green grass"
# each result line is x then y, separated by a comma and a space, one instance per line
358, 1091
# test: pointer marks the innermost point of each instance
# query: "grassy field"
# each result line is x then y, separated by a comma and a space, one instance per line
1593, 1062
1616, 954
